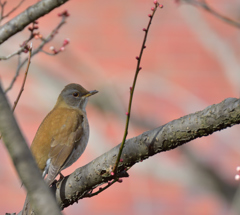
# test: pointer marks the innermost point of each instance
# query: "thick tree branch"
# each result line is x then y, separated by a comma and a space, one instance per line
40, 195
29, 15
169, 136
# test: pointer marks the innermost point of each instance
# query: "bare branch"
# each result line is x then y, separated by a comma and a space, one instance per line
37, 50
220, 16
38, 191
204, 5
15, 8
23, 46
24, 80
169, 136
25, 18
2, 5
133, 85
2, 16
13, 54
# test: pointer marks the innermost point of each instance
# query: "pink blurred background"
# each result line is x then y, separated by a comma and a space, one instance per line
191, 61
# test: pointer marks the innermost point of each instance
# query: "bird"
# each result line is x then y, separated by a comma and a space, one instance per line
63, 134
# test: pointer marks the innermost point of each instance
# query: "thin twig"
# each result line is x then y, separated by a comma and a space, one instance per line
133, 87
48, 53
24, 80
33, 12
23, 46
11, 11
13, 54
2, 5
89, 195
204, 5
224, 18
37, 50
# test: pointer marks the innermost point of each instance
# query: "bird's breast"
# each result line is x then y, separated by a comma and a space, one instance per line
80, 145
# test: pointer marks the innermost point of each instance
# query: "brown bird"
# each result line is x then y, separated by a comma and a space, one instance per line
63, 135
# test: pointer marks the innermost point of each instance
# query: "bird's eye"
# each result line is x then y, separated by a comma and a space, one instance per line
75, 94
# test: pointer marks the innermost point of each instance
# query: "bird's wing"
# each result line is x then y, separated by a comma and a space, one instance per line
63, 143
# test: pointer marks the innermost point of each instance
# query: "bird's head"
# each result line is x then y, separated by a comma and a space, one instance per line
75, 96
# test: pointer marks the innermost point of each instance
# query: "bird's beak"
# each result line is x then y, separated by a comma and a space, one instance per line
90, 93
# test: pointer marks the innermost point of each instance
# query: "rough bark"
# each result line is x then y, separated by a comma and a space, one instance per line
169, 136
